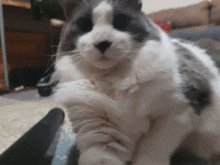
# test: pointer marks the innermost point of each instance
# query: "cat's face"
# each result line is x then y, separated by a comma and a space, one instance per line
104, 33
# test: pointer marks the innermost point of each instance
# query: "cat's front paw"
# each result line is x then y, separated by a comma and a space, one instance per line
69, 92
97, 156
78, 85
102, 161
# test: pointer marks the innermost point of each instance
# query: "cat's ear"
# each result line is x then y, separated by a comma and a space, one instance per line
69, 6
137, 4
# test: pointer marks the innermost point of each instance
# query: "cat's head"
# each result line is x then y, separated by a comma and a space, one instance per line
102, 34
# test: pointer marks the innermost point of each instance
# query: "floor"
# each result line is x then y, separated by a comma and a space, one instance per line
19, 112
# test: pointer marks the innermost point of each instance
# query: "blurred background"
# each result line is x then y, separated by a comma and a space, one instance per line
156, 5
32, 31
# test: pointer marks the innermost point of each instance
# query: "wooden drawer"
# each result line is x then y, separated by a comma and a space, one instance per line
26, 49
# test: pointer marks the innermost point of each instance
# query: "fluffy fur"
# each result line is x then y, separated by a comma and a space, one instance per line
128, 87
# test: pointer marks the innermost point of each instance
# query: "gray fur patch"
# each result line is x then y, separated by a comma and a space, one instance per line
125, 18
196, 78
73, 155
212, 49
139, 24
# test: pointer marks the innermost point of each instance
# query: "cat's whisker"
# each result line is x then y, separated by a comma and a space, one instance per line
135, 35
119, 3
50, 55
80, 62
74, 53
52, 65
130, 51
69, 53
75, 50
77, 58
55, 62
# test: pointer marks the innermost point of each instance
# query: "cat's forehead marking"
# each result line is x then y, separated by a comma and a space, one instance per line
103, 13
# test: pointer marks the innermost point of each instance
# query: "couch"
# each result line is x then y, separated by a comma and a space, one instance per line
194, 17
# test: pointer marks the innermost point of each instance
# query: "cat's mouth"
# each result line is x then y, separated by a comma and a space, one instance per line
104, 59
104, 62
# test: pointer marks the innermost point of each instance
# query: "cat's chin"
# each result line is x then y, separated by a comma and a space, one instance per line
104, 63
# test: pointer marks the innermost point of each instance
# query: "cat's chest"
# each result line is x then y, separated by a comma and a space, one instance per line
134, 126
151, 101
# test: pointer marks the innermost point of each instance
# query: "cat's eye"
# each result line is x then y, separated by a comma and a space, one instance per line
85, 23
121, 21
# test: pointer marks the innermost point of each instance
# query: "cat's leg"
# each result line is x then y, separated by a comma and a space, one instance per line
72, 156
163, 139
94, 117
209, 126
99, 141
188, 152
184, 156
209, 129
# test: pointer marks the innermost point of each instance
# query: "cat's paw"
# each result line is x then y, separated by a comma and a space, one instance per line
97, 156
102, 161
126, 83
81, 84
84, 84
75, 86
127, 86
83, 93
71, 91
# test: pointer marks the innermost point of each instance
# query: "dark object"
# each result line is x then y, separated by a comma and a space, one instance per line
185, 157
180, 157
31, 148
211, 33
186, 35
73, 156
3, 91
37, 13
26, 76
51, 8
45, 91
45, 84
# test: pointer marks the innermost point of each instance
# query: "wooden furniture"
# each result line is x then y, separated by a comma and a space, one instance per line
27, 40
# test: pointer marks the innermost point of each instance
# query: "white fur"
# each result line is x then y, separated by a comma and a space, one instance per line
202, 56
102, 15
146, 94
208, 124
130, 107
66, 70
102, 31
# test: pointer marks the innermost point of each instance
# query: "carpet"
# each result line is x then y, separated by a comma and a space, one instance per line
21, 111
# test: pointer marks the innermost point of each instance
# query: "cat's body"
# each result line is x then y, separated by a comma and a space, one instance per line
132, 93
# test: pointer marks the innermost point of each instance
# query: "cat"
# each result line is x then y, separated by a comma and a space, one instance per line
133, 94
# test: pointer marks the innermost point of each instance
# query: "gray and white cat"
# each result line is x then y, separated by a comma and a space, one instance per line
132, 93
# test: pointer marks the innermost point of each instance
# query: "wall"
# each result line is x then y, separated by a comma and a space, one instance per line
156, 5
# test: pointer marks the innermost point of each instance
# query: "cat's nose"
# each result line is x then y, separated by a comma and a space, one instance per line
103, 46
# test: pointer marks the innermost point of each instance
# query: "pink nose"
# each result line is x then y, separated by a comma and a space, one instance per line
103, 46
